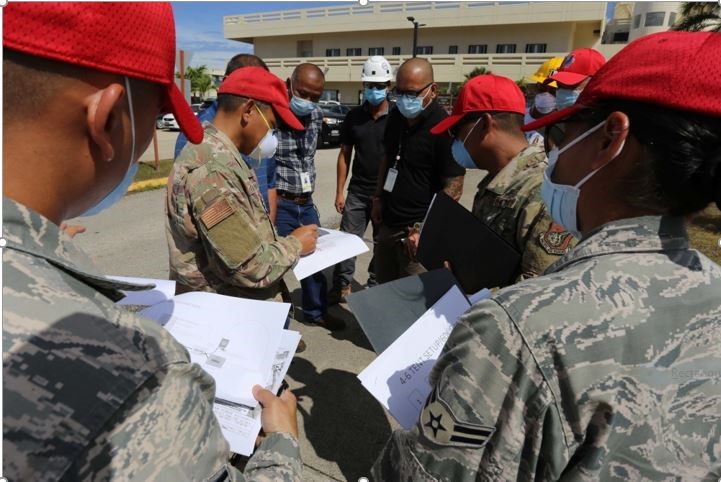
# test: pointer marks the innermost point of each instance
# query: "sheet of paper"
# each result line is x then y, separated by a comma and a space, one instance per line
163, 291
332, 248
233, 339
240, 425
398, 378
484, 294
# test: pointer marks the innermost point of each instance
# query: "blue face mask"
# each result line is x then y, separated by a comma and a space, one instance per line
300, 107
122, 188
374, 96
562, 200
460, 153
566, 97
411, 107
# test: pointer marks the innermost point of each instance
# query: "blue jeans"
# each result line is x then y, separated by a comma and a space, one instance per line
315, 287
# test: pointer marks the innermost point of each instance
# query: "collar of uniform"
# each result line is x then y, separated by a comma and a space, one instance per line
646, 234
522, 161
211, 130
29, 232
367, 109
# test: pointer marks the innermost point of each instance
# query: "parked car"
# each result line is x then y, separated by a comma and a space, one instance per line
170, 122
159, 122
333, 116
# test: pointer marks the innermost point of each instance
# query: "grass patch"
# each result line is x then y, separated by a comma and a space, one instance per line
147, 171
704, 230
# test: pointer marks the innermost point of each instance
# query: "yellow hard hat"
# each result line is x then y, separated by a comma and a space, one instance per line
547, 69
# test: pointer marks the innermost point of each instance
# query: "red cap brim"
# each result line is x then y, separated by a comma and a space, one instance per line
447, 123
552, 118
288, 117
568, 78
187, 121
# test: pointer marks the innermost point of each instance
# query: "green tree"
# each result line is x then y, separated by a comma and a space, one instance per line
699, 16
200, 80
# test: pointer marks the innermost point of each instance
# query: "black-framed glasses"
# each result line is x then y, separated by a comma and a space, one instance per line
410, 93
371, 85
555, 133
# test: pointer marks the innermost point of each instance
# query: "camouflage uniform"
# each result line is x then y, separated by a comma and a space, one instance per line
606, 368
93, 392
511, 204
219, 234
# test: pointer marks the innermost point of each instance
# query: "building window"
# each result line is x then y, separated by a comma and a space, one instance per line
637, 21
332, 52
424, 50
506, 48
654, 19
671, 19
535, 48
620, 37
396, 50
453, 49
478, 49
375, 51
354, 52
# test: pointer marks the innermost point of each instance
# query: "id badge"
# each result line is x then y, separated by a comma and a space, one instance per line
305, 182
390, 179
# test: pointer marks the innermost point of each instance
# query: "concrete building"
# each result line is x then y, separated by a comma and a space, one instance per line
632, 20
510, 39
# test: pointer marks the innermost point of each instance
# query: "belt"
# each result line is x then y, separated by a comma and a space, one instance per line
302, 199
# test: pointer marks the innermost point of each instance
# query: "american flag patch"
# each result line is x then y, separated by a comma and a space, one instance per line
215, 213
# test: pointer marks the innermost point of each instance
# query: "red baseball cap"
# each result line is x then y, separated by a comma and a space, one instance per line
484, 93
678, 70
578, 66
258, 84
136, 39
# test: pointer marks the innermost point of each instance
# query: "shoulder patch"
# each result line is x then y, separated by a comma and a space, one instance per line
556, 240
441, 426
216, 212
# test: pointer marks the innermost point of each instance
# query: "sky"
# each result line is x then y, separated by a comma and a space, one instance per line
199, 26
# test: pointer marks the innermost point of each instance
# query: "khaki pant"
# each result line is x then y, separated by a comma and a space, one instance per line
392, 260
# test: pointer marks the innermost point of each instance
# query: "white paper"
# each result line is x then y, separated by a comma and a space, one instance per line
163, 291
241, 425
233, 339
332, 248
398, 378
484, 294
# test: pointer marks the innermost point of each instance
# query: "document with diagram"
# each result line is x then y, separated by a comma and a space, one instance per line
234, 339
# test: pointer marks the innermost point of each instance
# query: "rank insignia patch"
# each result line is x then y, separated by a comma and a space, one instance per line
440, 426
556, 240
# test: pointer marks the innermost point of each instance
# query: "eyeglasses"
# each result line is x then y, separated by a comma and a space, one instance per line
410, 93
368, 85
555, 133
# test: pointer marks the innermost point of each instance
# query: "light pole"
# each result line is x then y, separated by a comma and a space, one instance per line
415, 32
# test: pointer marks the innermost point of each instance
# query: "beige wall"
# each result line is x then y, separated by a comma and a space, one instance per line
559, 37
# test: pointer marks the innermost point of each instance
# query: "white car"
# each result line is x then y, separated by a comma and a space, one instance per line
169, 122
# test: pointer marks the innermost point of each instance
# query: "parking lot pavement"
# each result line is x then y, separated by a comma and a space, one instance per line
342, 428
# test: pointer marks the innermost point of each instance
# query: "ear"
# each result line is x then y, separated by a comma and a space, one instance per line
484, 127
614, 134
246, 111
100, 118
434, 90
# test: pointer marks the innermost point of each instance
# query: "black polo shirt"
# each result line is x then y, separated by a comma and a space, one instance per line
425, 161
365, 134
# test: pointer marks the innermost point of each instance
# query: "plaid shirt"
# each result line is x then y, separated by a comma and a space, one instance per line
296, 153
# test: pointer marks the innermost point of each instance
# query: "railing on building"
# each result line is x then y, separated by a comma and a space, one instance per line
374, 8
454, 66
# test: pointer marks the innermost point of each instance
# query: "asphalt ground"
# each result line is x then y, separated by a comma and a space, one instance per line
342, 428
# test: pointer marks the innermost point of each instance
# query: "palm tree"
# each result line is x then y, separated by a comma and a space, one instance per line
475, 72
699, 16
200, 80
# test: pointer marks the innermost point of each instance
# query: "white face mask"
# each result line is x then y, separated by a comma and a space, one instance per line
122, 187
266, 147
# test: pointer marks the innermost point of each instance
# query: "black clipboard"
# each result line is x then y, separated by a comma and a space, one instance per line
386, 311
480, 257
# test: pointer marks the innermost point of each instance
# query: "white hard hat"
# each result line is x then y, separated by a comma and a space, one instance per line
376, 69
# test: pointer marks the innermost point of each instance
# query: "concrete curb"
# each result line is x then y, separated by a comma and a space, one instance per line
149, 184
